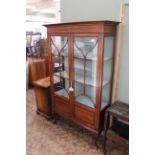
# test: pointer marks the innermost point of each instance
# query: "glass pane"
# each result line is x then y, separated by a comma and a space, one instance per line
107, 70
60, 60
85, 62
59, 44
85, 47
108, 47
105, 95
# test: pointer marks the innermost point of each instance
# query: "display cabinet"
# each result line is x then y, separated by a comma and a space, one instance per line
82, 57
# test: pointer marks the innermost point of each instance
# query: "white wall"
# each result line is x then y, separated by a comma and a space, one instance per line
81, 10
85, 10
123, 87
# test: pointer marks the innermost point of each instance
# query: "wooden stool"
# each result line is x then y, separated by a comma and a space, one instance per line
120, 111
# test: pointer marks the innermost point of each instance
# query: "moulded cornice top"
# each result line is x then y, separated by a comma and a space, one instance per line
85, 22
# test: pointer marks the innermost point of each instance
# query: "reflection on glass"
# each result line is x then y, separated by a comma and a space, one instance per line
108, 45
60, 64
105, 95
59, 45
85, 56
107, 71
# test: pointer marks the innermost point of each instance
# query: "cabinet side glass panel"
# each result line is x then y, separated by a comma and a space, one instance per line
108, 54
85, 63
60, 65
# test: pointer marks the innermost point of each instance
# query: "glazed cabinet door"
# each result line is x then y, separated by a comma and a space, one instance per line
60, 74
85, 56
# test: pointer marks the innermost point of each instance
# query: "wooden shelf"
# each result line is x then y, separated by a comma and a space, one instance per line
87, 58
93, 59
79, 67
113, 136
90, 57
119, 112
88, 81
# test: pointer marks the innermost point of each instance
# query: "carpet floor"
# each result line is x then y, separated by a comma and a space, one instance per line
43, 137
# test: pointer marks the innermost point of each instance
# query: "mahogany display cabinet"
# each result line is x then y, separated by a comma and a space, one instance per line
81, 56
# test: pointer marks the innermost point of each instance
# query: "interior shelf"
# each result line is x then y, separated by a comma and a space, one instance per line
79, 67
80, 79
107, 58
56, 64
90, 57
93, 59
88, 103
85, 101
82, 100
62, 74
62, 92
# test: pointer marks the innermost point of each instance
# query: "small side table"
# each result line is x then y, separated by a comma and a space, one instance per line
120, 111
43, 97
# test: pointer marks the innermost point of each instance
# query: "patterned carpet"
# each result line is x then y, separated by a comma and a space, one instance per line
64, 138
